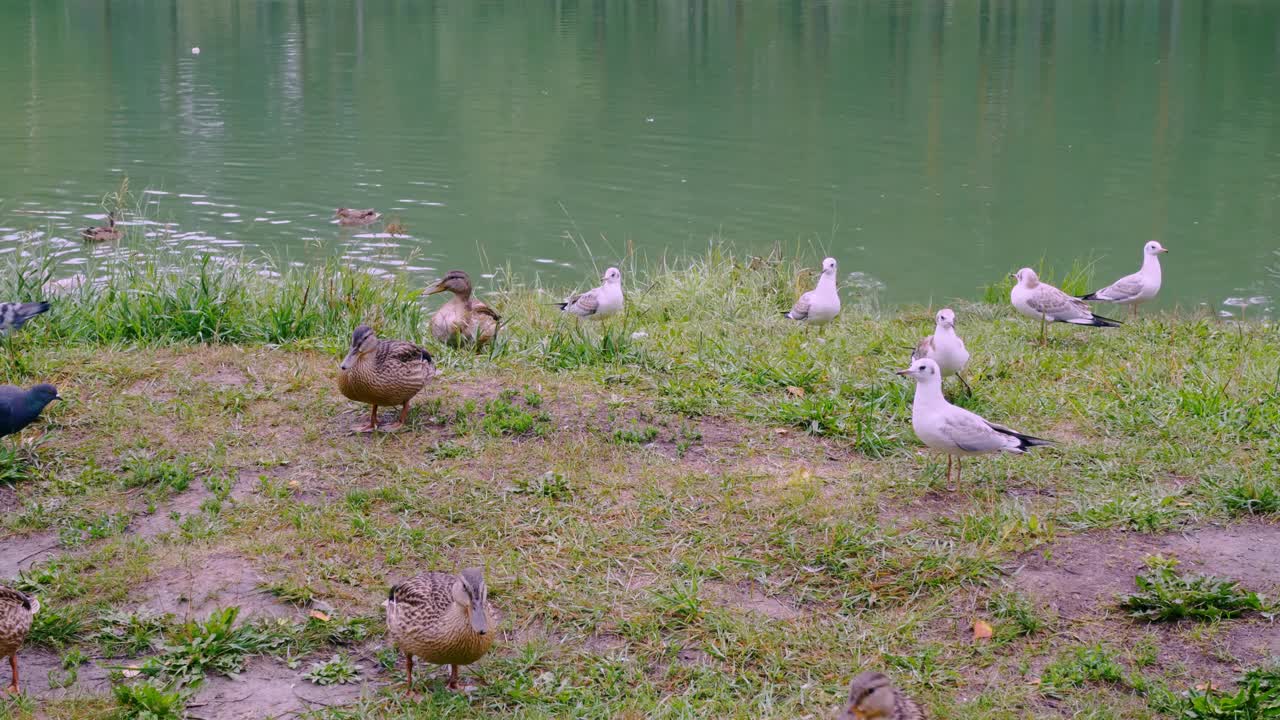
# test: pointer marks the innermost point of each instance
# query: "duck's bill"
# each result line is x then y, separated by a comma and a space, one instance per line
479, 622
348, 361
437, 288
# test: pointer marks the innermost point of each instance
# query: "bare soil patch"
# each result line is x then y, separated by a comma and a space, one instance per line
204, 584
268, 689
750, 597
43, 677
20, 553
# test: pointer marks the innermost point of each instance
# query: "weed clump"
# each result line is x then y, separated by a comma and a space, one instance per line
1164, 595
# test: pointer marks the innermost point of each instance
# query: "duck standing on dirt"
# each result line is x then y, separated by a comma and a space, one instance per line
599, 302
945, 347
441, 618
349, 217
383, 372
102, 233
19, 408
16, 612
873, 697
820, 305
462, 321
13, 315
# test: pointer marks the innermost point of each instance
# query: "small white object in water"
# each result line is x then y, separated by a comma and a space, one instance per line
195, 51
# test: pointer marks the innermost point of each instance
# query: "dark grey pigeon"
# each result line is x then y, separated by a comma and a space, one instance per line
19, 408
14, 314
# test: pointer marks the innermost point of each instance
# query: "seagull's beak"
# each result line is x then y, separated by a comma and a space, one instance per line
1164, 250
903, 373
1013, 275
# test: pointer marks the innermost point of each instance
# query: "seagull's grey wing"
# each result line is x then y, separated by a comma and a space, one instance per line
1057, 305
971, 433
924, 349
800, 310
1126, 288
585, 304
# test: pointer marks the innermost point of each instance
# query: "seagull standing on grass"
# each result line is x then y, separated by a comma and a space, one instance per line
945, 347
598, 302
1135, 289
821, 304
952, 430
1048, 304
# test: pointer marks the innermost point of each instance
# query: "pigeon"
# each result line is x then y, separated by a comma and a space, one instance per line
13, 315
821, 304
1046, 303
19, 408
1135, 289
600, 302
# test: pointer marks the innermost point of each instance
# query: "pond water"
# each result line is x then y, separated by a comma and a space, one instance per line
930, 145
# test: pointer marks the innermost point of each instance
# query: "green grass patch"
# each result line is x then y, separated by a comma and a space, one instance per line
1164, 595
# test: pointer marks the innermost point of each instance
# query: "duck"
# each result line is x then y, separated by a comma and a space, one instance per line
945, 347
872, 696
952, 430
598, 302
1135, 289
1046, 303
462, 321
347, 216
19, 408
17, 609
820, 305
13, 315
383, 372
102, 233
441, 618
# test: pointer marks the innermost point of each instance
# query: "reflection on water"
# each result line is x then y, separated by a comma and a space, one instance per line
930, 145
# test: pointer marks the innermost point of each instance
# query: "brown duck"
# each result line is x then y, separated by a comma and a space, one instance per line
873, 697
462, 321
16, 612
347, 216
102, 233
383, 372
441, 618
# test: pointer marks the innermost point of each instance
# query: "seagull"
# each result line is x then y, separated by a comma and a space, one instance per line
821, 304
945, 347
1135, 289
952, 430
1049, 304
598, 302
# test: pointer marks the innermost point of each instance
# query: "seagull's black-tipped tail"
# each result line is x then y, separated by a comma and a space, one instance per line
1090, 296
1099, 321
1026, 442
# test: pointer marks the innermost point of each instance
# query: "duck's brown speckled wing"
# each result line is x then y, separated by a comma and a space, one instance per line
483, 309
401, 351
426, 593
15, 620
908, 709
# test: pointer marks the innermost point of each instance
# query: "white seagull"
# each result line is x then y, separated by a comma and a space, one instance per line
1048, 304
821, 304
1135, 289
952, 430
598, 302
945, 347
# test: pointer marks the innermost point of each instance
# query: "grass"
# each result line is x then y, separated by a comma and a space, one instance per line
693, 510
1164, 595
